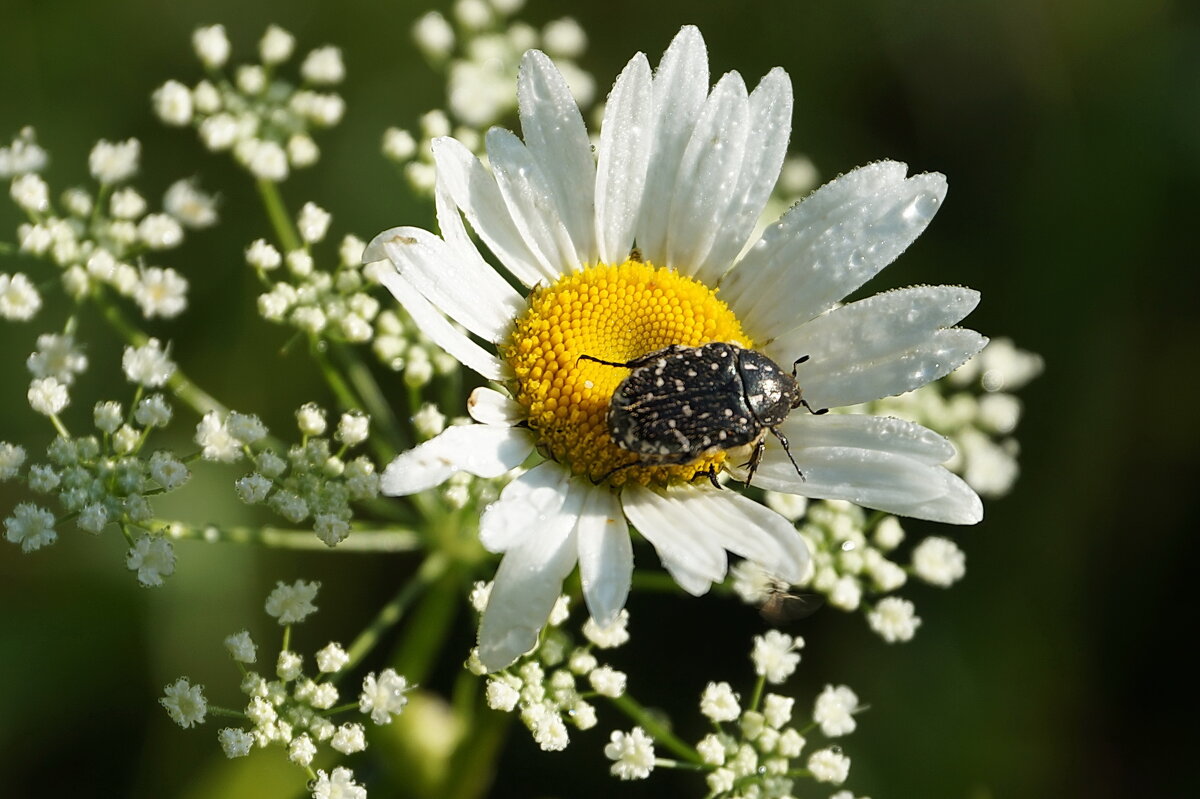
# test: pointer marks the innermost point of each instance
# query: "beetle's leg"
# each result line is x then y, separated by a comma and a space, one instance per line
711, 474
633, 364
598, 360
612, 471
755, 459
797, 362
786, 448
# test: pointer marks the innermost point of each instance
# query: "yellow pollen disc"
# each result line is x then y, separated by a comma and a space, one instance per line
614, 313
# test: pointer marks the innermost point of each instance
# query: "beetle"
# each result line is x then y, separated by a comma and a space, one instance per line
681, 403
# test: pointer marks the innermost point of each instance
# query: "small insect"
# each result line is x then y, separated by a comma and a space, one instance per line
781, 607
682, 403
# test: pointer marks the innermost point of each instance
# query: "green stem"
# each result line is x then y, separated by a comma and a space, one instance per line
756, 697
341, 389
224, 712
425, 633
657, 730
391, 613
58, 426
388, 540
277, 213
179, 383
473, 764
374, 400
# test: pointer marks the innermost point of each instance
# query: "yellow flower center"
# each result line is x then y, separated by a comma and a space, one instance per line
614, 313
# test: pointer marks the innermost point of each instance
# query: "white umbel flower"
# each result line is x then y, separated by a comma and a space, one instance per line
114, 162
682, 173
292, 604
184, 703
338, 784
147, 365
633, 753
211, 45
834, 711
19, 299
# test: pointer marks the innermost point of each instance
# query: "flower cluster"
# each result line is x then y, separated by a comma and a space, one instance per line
263, 119
854, 564
338, 304
314, 481
106, 478
479, 49
544, 686
294, 710
752, 748
101, 237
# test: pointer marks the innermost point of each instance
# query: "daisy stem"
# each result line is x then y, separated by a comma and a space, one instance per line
390, 614
179, 383
388, 540
473, 764
657, 730
277, 213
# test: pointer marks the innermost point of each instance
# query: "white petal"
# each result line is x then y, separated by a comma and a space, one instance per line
688, 551
881, 346
489, 406
482, 450
605, 555
626, 137
524, 505
863, 431
680, 86
830, 244
430, 322
469, 292
557, 138
708, 175
475, 191
531, 202
896, 472
751, 530
527, 585
942, 353
769, 127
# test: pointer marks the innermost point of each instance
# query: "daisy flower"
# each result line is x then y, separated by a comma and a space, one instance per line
638, 245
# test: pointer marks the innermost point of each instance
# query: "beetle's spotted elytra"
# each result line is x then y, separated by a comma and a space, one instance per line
681, 403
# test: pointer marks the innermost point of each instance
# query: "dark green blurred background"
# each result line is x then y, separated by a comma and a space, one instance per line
1070, 132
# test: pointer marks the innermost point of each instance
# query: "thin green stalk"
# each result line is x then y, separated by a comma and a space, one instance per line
374, 400
179, 383
656, 729
756, 697
59, 427
360, 541
277, 213
393, 611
